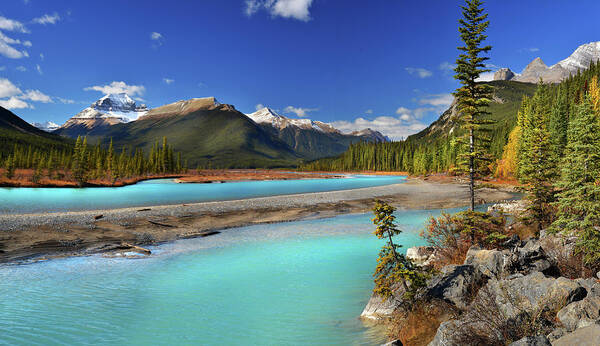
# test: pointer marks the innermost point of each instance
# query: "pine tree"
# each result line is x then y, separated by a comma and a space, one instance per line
579, 200
10, 166
473, 98
537, 168
392, 267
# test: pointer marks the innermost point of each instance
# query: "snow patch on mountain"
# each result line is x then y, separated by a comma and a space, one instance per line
119, 107
268, 116
47, 126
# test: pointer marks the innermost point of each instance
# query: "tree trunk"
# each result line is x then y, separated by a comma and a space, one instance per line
471, 170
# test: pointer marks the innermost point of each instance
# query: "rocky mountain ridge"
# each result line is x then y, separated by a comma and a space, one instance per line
580, 59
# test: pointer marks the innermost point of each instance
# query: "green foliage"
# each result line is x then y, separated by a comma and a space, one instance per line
393, 267
579, 199
473, 98
89, 163
537, 165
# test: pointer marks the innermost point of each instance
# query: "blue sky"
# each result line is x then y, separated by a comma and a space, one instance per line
379, 63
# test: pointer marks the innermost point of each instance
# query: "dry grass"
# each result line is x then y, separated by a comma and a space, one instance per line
419, 325
570, 264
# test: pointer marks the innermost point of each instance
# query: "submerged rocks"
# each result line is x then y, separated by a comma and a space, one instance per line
455, 285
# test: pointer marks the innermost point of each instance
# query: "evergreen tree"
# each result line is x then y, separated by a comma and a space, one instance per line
392, 267
10, 166
473, 98
537, 167
579, 199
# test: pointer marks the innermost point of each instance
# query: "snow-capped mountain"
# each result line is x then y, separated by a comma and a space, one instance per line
311, 139
47, 126
119, 107
109, 110
268, 116
579, 60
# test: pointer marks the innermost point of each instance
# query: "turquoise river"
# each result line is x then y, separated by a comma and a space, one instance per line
296, 283
164, 191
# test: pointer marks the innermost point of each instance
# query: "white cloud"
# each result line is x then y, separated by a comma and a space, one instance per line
14, 103
12, 25
2, 68
446, 66
21, 68
47, 19
12, 97
65, 101
485, 77
117, 88
7, 49
36, 96
8, 89
158, 39
299, 111
297, 9
420, 72
168, 81
42, 57
259, 106
39, 69
438, 100
369, 111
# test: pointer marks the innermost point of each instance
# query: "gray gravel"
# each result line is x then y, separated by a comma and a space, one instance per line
414, 189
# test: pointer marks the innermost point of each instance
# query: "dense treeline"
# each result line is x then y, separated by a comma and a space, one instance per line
555, 152
84, 162
437, 148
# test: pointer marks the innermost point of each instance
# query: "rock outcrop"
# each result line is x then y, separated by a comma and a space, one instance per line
504, 74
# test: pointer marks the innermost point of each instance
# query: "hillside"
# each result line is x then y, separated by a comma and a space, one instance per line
14, 130
431, 150
506, 101
208, 134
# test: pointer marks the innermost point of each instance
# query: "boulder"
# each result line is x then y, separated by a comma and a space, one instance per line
580, 314
445, 334
489, 262
534, 292
378, 308
420, 255
527, 259
587, 336
539, 340
557, 334
456, 284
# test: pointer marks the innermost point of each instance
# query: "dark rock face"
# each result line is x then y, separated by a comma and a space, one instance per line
504, 74
539, 340
456, 285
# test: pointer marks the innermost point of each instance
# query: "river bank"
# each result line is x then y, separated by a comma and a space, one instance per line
46, 235
24, 177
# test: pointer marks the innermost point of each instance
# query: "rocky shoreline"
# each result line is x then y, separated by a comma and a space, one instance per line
516, 290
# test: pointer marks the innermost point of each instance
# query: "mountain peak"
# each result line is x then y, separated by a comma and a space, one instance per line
184, 107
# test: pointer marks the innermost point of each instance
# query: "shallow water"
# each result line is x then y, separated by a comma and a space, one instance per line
294, 283
164, 191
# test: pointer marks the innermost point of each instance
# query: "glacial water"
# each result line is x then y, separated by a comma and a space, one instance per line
296, 283
165, 191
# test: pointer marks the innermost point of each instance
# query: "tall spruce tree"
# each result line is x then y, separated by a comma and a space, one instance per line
579, 200
473, 98
537, 165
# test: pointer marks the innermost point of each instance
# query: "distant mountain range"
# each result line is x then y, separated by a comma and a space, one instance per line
579, 60
14, 130
311, 139
210, 133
